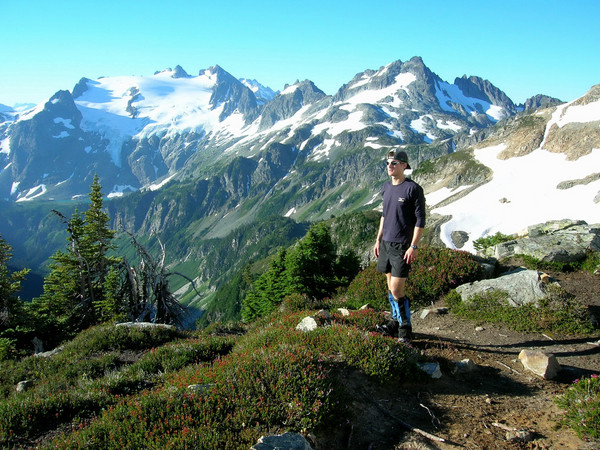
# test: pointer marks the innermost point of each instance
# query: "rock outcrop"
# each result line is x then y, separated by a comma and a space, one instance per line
562, 241
521, 287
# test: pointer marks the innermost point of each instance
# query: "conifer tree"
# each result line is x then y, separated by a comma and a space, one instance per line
11, 307
268, 290
75, 288
311, 265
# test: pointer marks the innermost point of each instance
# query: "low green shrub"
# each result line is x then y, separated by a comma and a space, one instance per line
489, 241
369, 286
557, 312
581, 404
302, 302
535, 264
81, 381
7, 348
365, 319
434, 273
591, 262
249, 395
438, 270
110, 337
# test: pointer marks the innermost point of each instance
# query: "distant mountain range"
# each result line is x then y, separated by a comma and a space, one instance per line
137, 132
205, 161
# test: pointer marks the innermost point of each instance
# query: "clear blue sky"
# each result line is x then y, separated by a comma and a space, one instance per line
523, 47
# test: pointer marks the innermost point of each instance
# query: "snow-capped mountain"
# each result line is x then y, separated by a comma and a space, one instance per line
535, 168
137, 132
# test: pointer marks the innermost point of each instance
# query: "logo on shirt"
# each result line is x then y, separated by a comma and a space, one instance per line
401, 199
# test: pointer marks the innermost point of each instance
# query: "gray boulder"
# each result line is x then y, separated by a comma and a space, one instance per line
288, 441
562, 241
521, 285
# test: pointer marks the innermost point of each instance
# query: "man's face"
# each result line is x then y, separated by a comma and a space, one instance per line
395, 167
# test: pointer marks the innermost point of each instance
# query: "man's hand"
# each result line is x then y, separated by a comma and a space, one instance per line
376, 249
410, 255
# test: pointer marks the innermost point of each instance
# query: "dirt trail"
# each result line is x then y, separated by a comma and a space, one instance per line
485, 408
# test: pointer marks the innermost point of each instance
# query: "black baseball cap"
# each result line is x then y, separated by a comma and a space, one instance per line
400, 156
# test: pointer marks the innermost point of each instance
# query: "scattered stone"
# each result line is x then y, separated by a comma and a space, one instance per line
465, 366
38, 345
200, 388
25, 385
438, 311
144, 325
49, 353
540, 363
343, 311
287, 441
459, 238
323, 315
432, 369
307, 324
520, 436
479, 328
545, 278
365, 306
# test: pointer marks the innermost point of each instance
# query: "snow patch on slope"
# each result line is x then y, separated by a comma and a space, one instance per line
523, 192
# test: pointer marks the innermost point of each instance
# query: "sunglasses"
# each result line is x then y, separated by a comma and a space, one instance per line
392, 163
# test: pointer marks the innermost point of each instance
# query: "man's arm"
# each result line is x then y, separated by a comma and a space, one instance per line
379, 236
411, 254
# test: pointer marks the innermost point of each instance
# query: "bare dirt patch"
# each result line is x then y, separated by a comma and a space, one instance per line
485, 408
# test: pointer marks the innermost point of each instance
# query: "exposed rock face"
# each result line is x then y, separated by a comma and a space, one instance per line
521, 286
540, 101
477, 87
521, 135
555, 241
574, 139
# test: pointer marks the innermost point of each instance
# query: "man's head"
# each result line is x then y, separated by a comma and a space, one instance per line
398, 156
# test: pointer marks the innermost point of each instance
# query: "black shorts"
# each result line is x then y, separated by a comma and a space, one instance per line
391, 259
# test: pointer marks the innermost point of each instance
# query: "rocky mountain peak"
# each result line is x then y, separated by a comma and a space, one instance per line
477, 87
540, 101
178, 72
233, 95
81, 86
289, 101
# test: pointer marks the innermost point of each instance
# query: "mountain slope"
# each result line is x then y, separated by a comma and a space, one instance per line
533, 168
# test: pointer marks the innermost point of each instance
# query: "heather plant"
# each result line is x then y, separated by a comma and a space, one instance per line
248, 395
435, 272
81, 381
591, 262
369, 286
438, 270
581, 405
365, 319
109, 337
204, 389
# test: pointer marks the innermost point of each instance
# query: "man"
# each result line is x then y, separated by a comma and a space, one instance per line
400, 230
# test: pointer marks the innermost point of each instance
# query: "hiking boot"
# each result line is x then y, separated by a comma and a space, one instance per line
405, 335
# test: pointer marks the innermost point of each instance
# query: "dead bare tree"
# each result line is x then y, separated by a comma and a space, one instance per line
147, 288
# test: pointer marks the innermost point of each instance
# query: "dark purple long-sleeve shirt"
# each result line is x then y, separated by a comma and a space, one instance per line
403, 210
